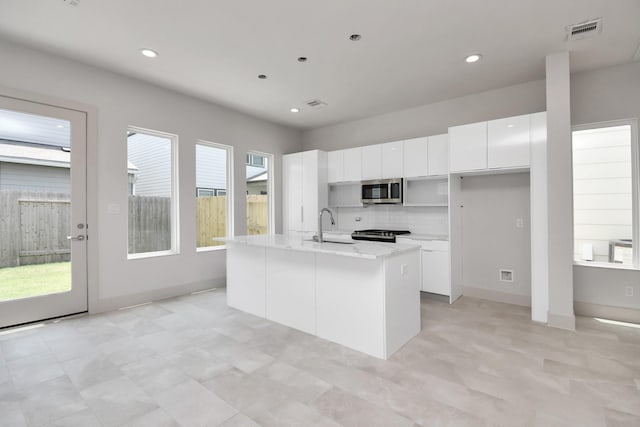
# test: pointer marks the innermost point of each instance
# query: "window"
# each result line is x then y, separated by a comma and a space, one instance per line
259, 203
152, 193
605, 206
256, 160
213, 209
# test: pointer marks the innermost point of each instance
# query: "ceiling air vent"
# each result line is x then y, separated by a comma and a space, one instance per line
586, 29
316, 103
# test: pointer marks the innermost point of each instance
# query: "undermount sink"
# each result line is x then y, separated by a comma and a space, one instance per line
342, 242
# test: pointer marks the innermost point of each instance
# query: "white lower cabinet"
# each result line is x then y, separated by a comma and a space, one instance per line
435, 272
436, 276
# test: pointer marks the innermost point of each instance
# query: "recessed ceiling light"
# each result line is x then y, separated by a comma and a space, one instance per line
355, 37
303, 59
295, 110
149, 53
511, 126
473, 58
262, 76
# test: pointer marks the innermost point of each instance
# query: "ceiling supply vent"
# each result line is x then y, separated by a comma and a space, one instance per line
72, 2
584, 30
316, 103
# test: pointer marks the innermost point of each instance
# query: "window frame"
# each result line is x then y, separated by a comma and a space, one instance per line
635, 192
271, 199
175, 194
229, 191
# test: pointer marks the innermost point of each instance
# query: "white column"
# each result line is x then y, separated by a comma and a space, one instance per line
539, 220
559, 192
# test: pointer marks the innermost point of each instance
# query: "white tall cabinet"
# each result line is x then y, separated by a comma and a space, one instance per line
305, 190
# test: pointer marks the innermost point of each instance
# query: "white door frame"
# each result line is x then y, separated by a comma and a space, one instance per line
90, 113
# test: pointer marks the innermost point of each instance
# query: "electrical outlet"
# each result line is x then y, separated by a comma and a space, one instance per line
403, 269
628, 291
519, 223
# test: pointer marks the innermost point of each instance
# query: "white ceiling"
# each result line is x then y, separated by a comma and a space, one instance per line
411, 53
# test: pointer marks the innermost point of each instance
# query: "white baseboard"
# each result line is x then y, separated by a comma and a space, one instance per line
497, 296
561, 321
155, 295
621, 314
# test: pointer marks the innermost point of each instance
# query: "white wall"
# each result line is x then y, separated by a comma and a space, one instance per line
121, 102
431, 119
491, 240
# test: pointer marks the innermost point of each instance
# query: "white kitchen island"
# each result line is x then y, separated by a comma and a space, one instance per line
364, 296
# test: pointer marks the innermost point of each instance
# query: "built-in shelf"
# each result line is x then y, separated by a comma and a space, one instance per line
427, 191
345, 195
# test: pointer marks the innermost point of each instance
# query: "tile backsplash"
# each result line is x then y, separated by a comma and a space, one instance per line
418, 220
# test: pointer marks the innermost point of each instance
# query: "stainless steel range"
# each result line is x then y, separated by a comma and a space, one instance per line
376, 235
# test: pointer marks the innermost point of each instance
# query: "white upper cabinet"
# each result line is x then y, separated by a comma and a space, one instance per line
468, 147
392, 159
509, 141
335, 165
438, 154
416, 157
372, 162
352, 170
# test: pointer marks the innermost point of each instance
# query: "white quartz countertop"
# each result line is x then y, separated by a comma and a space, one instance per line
369, 250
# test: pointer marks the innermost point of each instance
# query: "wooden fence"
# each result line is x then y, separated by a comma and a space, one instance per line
34, 225
149, 224
211, 217
211, 220
257, 214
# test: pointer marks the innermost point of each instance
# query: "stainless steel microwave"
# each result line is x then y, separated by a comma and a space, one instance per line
382, 191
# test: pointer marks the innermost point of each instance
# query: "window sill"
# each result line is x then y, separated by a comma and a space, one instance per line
211, 248
609, 265
144, 255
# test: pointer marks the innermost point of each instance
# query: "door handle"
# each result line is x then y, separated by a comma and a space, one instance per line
79, 237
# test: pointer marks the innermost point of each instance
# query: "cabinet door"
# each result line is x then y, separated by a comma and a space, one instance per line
292, 189
509, 141
435, 272
372, 162
335, 166
468, 147
416, 157
438, 154
392, 159
310, 187
352, 162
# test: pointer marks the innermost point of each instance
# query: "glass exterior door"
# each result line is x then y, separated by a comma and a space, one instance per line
43, 230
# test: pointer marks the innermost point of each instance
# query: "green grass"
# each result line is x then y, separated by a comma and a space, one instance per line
32, 280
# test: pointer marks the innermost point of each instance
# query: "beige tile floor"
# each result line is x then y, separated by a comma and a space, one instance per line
192, 361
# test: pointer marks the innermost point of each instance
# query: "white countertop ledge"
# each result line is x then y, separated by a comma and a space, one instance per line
368, 250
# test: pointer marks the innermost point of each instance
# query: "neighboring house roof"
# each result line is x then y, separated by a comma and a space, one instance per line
262, 176
37, 154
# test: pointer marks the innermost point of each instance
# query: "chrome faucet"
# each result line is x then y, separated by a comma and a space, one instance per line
320, 240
